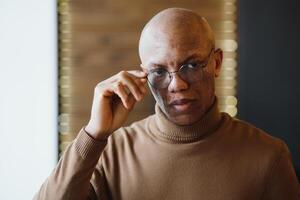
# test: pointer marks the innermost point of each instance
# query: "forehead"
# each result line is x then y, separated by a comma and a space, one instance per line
174, 53
167, 47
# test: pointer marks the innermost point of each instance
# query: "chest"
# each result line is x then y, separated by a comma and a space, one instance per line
184, 175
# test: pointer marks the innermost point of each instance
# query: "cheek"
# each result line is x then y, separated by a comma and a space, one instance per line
159, 96
205, 87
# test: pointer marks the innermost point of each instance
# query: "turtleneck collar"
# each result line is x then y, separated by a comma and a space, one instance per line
183, 134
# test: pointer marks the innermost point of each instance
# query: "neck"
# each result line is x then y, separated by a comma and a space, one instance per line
187, 133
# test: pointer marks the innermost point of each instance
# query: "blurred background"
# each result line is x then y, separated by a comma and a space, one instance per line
53, 53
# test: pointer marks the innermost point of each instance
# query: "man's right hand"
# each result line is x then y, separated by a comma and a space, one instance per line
113, 99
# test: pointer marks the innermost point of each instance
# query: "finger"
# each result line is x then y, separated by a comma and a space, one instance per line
138, 73
143, 86
119, 89
144, 80
131, 101
140, 82
101, 90
133, 87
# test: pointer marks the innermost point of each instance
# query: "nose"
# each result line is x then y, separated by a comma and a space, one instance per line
177, 84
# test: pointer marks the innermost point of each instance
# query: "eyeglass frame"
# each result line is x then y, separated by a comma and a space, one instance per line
174, 72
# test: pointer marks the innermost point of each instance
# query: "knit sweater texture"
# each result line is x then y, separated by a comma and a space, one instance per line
217, 158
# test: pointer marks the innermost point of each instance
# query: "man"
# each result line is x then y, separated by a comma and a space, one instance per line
187, 149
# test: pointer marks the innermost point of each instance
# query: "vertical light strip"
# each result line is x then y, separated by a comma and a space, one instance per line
226, 40
100, 42
65, 63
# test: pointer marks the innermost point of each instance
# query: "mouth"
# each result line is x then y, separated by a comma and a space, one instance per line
181, 104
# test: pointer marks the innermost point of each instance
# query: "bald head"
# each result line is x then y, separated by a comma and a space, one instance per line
176, 28
179, 40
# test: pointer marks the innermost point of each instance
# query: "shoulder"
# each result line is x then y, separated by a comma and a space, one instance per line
255, 141
127, 136
134, 130
252, 133
123, 144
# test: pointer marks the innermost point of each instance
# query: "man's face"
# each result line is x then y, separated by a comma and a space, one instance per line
182, 102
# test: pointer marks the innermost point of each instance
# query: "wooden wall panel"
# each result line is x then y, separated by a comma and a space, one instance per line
98, 38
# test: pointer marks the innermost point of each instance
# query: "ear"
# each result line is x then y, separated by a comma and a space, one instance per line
218, 58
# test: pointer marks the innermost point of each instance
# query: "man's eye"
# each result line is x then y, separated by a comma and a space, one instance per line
159, 72
193, 66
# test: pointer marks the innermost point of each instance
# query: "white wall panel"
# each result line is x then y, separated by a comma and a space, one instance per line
28, 96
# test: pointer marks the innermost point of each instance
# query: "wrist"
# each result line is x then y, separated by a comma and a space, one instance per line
94, 133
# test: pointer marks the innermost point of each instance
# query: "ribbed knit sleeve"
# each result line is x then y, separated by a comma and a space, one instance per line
88, 147
282, 183
71, 177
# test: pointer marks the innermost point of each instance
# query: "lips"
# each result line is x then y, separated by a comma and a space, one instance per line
181, 104
180, 101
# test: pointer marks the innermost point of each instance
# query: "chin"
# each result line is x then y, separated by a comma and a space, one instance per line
185, 117
184, 120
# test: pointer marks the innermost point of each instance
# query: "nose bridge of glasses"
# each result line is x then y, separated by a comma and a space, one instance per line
176, 73
177, 82
173, 72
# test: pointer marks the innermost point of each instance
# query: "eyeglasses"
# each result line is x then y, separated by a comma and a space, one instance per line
160, 78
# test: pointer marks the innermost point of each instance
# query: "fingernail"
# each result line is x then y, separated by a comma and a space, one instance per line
144, 90
138, 97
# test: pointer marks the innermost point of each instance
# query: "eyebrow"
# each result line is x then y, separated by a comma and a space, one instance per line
192, 57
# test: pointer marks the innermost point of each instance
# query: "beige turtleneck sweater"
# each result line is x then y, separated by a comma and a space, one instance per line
218, 158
